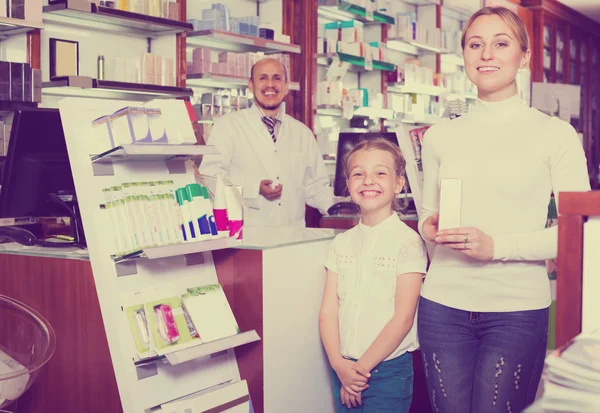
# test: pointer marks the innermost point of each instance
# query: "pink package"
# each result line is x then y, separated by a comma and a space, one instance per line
167, 328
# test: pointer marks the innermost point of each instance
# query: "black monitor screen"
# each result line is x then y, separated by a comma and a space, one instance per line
37, 164
346, 142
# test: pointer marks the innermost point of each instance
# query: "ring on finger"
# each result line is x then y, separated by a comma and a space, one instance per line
466, 238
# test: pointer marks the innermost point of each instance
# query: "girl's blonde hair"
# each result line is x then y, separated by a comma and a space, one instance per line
512, 20
378, 142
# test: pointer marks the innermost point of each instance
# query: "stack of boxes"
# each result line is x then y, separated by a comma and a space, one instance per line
219, 17
20, 83
451, 42
381, 6
211, 105
157, 122
148, 69
348, 37
205, 60
407, 28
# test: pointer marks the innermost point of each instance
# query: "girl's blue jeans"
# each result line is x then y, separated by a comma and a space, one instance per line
390, 388
481, 362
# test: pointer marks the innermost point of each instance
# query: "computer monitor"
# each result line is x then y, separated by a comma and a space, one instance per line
346, 142
37, 165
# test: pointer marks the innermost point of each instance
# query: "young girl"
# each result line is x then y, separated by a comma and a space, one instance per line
374, 274
483, 317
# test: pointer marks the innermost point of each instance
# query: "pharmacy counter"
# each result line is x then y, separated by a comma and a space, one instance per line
274, 282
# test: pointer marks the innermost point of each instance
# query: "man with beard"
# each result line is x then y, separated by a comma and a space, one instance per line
274, 157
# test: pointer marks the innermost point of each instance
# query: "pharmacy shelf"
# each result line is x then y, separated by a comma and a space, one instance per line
373, 113
11, 27
421, 2
215, 81
232, 42
349, 11
153, 152
176, 250
411, 47
357, 63
417, 89
212, 347
453, 59
113, 20
425, 120
89, 87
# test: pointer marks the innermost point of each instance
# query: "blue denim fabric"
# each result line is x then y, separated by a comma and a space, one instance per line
481, 362
390, 388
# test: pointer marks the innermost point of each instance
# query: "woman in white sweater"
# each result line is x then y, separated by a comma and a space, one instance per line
483, 314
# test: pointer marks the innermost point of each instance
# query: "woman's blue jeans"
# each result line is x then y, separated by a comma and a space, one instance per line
481, 362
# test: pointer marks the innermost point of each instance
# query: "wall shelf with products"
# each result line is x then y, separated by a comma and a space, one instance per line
417, 89
348, 11
89, 87
215, 81
11, 26
412, 47
368, 112
358, 63
114, 20
233, 42
452, 58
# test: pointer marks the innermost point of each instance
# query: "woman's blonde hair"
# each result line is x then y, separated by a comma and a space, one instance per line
512, 20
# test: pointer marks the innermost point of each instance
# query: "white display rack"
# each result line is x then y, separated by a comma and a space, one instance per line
216, 81
171, 269
10, 26
418, 89
233, 42
177, 250
212, 347
153, 152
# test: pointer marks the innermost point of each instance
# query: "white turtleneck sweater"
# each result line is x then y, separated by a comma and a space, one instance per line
510, 158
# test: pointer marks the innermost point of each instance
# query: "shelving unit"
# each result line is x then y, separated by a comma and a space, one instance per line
357, 62
207, 349
177, 250
12, 27
89, 87
153, 152
214, 81
348, 11
369, 112
8, 106
221, 40
412, 47
430, 90
114, 20
453, 59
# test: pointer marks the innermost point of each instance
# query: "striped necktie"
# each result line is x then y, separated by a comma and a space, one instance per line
270, 124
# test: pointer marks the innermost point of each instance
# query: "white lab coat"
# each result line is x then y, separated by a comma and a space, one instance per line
248, 155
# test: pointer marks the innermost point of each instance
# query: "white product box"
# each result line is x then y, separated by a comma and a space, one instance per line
450, 203
130, 125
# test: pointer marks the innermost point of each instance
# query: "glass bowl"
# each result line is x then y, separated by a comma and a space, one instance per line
27, 342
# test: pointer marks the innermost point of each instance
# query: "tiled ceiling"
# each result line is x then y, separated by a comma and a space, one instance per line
590, 8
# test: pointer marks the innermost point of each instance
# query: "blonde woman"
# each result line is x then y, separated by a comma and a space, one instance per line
483, 313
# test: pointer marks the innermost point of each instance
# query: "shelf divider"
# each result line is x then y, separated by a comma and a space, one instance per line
222, 40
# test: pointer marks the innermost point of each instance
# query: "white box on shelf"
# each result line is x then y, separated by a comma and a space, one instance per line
33, 10
130, 125
102, 138
177, 121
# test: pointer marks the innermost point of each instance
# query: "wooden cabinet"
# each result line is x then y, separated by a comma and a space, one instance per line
564, 51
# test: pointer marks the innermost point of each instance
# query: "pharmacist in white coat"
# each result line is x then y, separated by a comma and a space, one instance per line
273, 156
